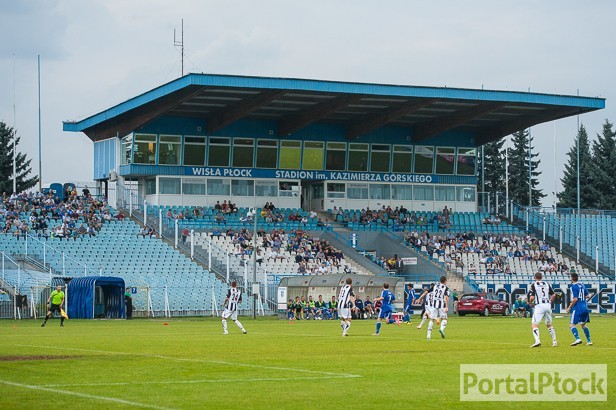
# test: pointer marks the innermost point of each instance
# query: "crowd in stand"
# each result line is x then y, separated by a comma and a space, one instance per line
494, 250
33, 213
399, 215
301, 308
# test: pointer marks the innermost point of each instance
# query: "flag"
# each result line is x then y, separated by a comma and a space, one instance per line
63, 313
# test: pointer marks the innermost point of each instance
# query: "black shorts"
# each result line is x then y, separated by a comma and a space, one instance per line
54, 308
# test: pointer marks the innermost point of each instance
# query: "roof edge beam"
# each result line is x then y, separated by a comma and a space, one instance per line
438, 126
496, 133
295, 122
143, 116
389, 116
227, 116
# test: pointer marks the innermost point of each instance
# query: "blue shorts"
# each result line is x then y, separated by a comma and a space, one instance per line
580, 317
385, 312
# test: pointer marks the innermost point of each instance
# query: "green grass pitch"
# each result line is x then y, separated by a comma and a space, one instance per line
189, 363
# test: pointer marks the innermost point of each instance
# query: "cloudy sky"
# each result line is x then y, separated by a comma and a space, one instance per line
95, 54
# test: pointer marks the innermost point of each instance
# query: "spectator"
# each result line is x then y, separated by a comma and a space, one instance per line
185, 233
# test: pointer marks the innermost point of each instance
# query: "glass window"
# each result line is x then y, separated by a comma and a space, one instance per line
335, 156
379, 191
193, 186
243, 152
424, 160
266, 188
194, 151
379, 158
218, 187
127, 146
318, 191
290, 154
358, 157
445, 160
313, 155
219, 152
444, 193
267, 154
465, 194
467, 161
288, 188
357, 191
402, 192
242, 187
423, 193
169, 152
144, 149
335, 190
150, 186
170, 185
403, 159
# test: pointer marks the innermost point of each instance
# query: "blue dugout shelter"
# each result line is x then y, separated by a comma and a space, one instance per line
96, 296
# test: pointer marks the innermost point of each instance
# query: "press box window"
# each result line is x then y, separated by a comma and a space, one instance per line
379, 158
290, 154
219, 152
194, 151
403, 159
467, 161
169, 152
126, 147
358, 157
243, 152
335, 156
313, 156
424, 160
267, 154
445, 160
144, 149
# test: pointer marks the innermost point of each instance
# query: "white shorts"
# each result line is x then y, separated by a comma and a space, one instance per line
436, 313
229, 313
344, 313
542, 311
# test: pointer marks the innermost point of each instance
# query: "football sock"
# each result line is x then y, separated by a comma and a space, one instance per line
224, 325
552, 333
423, 320
586, 333
378, 327
430, 326
239, 324
575, 332
443, 324
536, 335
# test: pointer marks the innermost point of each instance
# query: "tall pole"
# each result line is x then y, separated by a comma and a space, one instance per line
180, 43
578, 160
14, 133
507, 171
38, 58
254, 264
483, 179
530, 170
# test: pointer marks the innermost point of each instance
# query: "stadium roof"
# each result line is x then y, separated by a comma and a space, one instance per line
358, 107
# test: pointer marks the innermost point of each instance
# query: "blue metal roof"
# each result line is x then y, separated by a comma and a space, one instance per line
295, 103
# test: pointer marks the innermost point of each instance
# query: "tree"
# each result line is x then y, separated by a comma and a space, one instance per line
494, 164
567, 198
604, 167
519, 170
23, 169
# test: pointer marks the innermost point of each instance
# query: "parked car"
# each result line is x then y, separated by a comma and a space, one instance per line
483, 303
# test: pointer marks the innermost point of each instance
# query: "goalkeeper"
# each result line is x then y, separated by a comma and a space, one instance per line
55, 301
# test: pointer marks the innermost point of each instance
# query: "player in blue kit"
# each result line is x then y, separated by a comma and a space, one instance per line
387, 298
579, 310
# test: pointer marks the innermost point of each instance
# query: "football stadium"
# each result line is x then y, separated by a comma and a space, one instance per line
278, 199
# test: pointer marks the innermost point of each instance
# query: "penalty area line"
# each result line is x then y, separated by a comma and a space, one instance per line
256, 379
84, 395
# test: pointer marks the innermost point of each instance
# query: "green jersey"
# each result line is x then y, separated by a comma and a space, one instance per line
57, 297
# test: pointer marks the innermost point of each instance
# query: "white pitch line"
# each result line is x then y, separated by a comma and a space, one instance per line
184, 359
84, 395
257, 379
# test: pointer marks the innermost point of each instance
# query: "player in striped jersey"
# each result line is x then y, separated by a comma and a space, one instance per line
346, 300
233, 299
437, 309
541, 296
